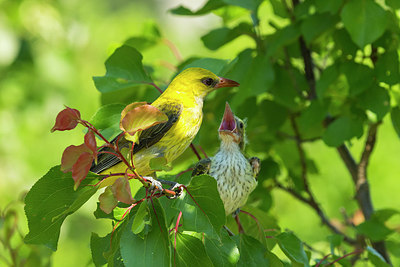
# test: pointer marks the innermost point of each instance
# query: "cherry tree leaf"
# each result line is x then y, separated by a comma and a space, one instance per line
90, 142
141, 118
107, 200
122, 190
81, 168
50, 201
71, 155
67, 119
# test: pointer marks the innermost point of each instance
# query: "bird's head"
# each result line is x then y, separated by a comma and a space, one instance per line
232, 128
199, 82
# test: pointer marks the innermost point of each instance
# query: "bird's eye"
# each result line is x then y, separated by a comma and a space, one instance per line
241, 125
208, 81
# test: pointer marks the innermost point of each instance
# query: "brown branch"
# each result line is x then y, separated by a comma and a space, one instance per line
308, 62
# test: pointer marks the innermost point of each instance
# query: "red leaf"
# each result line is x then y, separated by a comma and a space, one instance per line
140, 118
71, 155
122, 190
107, 200
90, 142
67, 119
81, 168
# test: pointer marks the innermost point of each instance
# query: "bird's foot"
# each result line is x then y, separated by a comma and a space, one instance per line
176, 187
155, 184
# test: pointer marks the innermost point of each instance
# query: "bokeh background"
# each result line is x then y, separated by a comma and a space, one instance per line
49, 52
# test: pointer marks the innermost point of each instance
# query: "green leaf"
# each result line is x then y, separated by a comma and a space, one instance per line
254, 73
207, 214
359, 77
376, 258
97, 246
151, 248
374, 229
251, 5
214, 65
375, 99
335, 241
385, 214
311, 120
365, 20
344, 43
341, 130
222, 252
106, 120
387, 67
219, 37
395, 116
51, 199
140, 118
252, 252
150, 36
331, 6
107, 201
282, 37
292, 246
393, 3
139, 220
159, 164
124, 70
207, 8
190, 251
315, 25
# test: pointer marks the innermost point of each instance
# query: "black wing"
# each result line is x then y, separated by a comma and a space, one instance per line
147, 138
202, 167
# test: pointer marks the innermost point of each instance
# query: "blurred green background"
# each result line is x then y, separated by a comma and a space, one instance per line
49, 51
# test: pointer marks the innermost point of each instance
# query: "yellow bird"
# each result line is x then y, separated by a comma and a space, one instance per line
182, 102
235, 174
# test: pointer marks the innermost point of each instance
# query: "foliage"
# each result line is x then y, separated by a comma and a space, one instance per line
328, 73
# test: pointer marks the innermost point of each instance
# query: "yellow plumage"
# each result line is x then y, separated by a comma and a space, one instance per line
182, 102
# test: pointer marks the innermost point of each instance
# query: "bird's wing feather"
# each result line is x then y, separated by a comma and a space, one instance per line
147, 138
202, 167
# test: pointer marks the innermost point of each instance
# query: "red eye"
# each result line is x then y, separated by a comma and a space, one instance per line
208, 81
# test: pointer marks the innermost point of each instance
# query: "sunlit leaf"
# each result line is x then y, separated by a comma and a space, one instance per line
141, 118
139, 220
222, 252
365, 20
207, 8
107, 200
150, 249
221, 36
292, 246
205, 214
252, 252
124, 70
106, 120
341, 130
51, 199
122, 190
190, 251
159, 164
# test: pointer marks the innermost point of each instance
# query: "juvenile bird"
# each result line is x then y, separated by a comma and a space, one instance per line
235, 174
182, 102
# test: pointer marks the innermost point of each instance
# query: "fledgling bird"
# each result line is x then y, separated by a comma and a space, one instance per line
182, 102
235, 174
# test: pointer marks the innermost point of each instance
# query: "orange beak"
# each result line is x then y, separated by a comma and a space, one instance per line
223, 82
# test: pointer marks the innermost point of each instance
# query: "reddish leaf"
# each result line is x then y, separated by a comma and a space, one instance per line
107, 201
122, 190
130, 107
81, 168
71, 155
141, 118
90, 142
67, 119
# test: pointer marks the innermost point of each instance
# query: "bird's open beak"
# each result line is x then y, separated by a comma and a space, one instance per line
223, 82
228, 123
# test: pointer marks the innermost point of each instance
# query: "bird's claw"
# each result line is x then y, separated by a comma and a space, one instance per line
177, 188
155, 184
